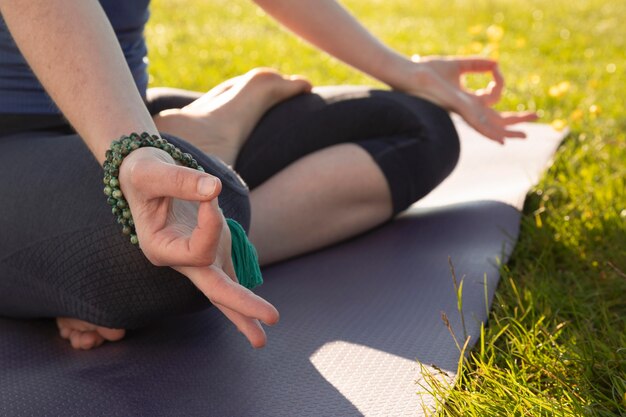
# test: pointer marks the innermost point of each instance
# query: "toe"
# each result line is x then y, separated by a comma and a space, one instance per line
86, 340
65, 332
112, 335
300, 83
75, 339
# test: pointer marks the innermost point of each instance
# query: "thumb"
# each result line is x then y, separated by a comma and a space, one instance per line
155, 178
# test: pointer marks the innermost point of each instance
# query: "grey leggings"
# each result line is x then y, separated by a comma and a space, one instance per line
62, 253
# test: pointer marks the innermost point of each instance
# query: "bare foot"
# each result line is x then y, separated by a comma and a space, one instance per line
84, 335
220, 121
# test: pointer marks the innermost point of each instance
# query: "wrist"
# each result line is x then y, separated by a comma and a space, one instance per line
398, 72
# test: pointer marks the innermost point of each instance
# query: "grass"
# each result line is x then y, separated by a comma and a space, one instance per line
555, 343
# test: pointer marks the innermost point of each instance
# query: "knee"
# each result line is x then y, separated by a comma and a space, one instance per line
421, 156
443, 134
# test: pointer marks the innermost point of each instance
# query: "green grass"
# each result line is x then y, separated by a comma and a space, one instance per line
556, 339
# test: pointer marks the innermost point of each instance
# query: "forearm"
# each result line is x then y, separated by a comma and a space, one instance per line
327, 25
72, 49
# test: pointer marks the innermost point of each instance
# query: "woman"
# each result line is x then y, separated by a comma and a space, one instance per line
62, 254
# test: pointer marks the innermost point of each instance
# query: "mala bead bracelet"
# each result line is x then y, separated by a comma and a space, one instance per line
243, 253
119, 150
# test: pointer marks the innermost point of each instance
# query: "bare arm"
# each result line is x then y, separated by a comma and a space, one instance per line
327, 25
72, 49
331, 28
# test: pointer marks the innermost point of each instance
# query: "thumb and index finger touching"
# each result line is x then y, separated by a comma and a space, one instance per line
150, 179
491, 94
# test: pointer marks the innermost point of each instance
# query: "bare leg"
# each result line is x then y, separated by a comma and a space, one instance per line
325, 197
220, 121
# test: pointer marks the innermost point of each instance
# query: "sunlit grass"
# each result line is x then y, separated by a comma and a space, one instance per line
556, 339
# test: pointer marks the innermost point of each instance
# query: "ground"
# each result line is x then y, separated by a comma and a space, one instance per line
556, 339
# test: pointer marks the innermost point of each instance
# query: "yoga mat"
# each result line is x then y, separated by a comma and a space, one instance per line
360, 321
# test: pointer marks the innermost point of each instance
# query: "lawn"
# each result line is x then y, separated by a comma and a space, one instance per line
555, 343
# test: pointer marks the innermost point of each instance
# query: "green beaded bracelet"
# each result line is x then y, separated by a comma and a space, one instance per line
244, 255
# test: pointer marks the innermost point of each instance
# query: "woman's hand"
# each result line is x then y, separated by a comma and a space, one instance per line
179, 224
439, 79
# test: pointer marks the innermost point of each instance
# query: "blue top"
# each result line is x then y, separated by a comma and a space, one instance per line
21, 92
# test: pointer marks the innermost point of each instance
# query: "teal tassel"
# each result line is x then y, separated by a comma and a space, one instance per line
244, 257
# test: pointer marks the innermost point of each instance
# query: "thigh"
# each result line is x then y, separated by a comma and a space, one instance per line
62, 253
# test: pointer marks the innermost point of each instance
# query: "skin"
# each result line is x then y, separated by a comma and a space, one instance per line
73, 51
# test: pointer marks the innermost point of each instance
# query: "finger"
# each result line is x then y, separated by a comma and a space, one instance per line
229, 269
221, 289
204, 240
514, 134
513, 118
491, 94
500, 133
250, 328
155, 178
178, 244
477, 64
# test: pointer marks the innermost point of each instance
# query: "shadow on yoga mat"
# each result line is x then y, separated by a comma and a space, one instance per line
354, 318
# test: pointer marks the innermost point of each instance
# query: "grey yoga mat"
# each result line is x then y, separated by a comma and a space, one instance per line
360, 321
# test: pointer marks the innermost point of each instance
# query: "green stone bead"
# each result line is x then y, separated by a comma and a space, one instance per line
117, 193
115, 210
121, 220
126, 214
114, 182
112, 201
134, 145
177, 154
122, 204
106, 180
108, 190
134, 240
131, 222
126, 230
199, 168
116, 160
